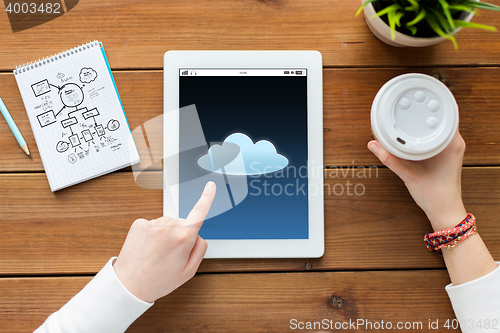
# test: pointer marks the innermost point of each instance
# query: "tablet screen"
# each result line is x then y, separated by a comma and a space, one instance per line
254, 123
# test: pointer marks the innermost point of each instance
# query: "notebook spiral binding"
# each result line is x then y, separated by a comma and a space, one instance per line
53, 58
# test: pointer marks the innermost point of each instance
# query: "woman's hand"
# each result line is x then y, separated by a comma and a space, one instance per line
160, 255
434, 184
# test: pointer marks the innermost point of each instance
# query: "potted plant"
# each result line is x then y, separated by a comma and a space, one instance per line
421, 22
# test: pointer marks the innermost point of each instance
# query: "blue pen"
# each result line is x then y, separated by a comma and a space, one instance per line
13, 128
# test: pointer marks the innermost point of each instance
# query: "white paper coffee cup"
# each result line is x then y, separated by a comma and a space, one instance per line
414, 116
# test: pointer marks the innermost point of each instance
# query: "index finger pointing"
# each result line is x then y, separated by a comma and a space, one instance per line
200, 210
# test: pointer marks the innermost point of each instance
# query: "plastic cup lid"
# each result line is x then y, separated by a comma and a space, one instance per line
414, 116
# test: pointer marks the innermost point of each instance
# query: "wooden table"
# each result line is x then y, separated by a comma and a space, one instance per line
375, 265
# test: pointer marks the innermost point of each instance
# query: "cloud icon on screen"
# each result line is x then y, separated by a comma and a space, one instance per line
238, 155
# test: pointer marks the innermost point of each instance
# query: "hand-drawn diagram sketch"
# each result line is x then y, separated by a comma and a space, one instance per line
84, 128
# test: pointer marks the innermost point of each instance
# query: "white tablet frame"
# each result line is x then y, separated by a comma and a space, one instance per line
313, 247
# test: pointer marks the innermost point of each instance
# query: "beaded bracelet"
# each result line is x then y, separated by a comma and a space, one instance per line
447, 235
451, 237
459, 239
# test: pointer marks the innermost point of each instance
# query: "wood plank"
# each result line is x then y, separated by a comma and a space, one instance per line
348, 94
136, 34
78, 229
255, 302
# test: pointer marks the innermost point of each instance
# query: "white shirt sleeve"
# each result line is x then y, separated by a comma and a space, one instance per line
477, 303
103, 306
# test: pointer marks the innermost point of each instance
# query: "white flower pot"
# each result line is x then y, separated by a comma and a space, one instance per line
383, 32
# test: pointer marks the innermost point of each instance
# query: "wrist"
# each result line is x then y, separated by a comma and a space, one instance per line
130, 282
447, 218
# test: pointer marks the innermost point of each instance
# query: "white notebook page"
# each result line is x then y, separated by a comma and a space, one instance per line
76, 115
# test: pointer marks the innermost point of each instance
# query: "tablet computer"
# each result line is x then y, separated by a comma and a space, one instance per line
252, 122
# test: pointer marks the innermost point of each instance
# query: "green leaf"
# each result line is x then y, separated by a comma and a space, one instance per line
366, 3
461, 8
414, 4
440, 20
392, 24
463, 24
433, 24
412, 29
447, 13
481, 5
418, 18
397, 18
391, 9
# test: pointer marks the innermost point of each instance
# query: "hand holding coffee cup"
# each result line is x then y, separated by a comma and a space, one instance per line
434, 181
431, 166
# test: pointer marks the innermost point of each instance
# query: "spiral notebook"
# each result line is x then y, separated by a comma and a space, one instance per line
76, 115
